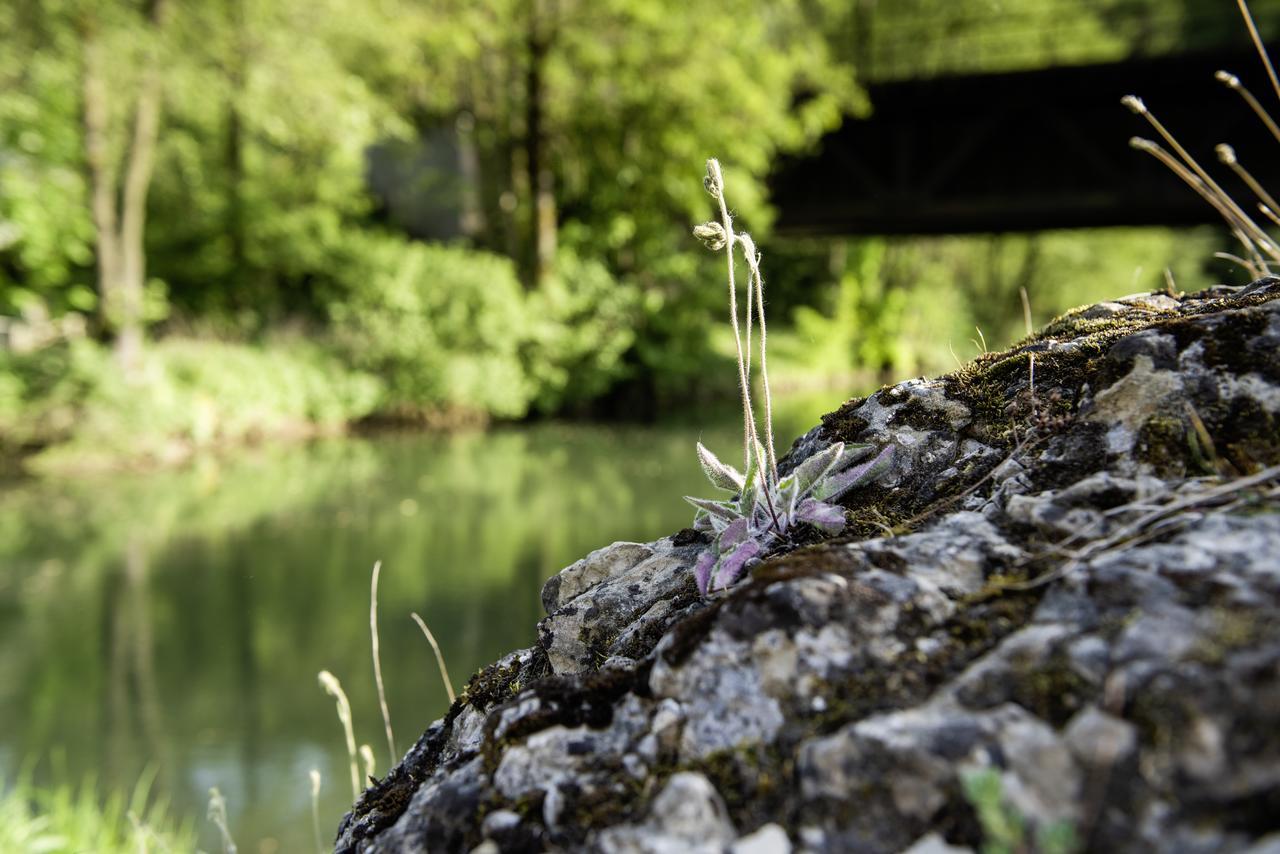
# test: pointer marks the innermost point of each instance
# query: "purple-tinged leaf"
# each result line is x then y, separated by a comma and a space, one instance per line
815, 468
837, 485
702, 522
702, 570
732, 564
829, 518
734, 533
721, 475
853, 452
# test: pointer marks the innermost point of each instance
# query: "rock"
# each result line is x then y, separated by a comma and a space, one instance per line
770, 839
688, 815
1069, 595
933, 843
615, 601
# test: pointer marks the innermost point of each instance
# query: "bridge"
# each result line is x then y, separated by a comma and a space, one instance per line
949, 149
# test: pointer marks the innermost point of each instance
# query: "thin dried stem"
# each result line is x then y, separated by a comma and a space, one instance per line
333, 687
1026, 311
444, 671
1233, 82
315, 809
1227, 155
1247, 266
1269, 213
366, 756
1198, 185
1257, 43
218, 815
1240, 217
377, 659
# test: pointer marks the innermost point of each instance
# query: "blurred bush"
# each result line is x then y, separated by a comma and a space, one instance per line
440, 326
71, 400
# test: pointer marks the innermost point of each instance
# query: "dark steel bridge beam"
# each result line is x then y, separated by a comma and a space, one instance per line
1028, 151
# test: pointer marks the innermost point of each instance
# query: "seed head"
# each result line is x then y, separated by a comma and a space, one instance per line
1226, 154
1133, 102
1228, 78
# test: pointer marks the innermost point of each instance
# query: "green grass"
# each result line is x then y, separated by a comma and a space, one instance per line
65, 818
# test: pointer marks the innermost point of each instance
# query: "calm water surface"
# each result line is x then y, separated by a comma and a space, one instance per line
175, 622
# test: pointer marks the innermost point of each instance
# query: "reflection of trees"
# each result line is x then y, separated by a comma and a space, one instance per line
133, 720
194, 609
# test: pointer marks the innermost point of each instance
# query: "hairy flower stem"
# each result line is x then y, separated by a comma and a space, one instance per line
715, 185
753, 264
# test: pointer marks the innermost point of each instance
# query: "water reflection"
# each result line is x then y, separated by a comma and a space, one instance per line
177, 620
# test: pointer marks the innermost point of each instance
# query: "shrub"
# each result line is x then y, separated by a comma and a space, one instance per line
441, 326
582, 323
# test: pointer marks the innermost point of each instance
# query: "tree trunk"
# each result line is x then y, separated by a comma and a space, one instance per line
120, 236
102, 176
236, 75
542, 238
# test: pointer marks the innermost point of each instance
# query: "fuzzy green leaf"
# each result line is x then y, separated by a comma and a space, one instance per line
816, 467
721, 475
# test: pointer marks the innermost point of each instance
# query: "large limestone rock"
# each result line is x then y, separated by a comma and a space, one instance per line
1054, 623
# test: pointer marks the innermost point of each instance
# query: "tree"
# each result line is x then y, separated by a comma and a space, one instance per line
119, 201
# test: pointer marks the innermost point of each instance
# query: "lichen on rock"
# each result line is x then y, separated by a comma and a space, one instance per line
1070, 587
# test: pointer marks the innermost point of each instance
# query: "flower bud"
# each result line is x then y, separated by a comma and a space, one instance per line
711, 234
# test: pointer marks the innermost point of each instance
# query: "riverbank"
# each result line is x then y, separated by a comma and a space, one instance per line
66, 408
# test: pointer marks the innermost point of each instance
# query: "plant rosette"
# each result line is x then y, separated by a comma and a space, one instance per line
764, 511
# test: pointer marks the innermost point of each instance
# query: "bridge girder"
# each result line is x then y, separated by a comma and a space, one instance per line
1028, 151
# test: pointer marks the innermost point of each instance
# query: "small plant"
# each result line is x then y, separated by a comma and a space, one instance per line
765, 508
1260, 250
1004, 830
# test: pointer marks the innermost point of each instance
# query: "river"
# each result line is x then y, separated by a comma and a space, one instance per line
173, 623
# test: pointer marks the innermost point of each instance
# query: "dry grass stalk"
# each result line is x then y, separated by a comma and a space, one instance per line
377, 659
218, 815
1261, 250
444, 671
333, 687
315, 809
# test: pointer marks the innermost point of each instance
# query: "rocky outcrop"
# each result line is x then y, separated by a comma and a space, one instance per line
1053, 625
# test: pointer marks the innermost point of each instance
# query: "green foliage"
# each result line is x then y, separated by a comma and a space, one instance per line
581, 324
191, 394
441, 326
903, 307
66, 819
1003, 827
46, 238
452, 332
